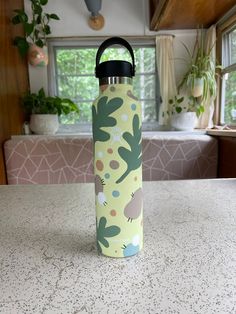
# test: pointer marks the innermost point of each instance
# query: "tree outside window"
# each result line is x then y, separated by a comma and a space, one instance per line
74, 78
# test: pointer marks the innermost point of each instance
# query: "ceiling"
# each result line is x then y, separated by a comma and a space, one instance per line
187, 14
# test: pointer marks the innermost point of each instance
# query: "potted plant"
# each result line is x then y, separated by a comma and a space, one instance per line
200, 76
184, 113
36, 29
44, 111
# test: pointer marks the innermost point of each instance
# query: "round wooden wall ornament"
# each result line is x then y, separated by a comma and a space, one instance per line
96, 22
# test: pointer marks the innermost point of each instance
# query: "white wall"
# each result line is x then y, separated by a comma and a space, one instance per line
122, 18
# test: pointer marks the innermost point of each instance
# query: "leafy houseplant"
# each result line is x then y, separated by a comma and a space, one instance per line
41, 104
45, 110
179, 106
200, 76
36, 29
184, 114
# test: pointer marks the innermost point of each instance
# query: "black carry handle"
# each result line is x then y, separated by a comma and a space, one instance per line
113, 41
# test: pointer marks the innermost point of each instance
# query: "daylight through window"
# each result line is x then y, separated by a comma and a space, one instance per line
72, 76
228, 98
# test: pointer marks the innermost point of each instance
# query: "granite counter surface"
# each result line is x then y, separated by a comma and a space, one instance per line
49, 261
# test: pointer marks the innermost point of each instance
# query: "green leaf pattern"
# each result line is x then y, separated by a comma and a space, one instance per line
132, 157
102, 118
104, 232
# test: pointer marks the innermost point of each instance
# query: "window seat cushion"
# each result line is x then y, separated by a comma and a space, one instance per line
53, 160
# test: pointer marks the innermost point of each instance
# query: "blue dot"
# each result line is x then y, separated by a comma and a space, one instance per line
107, 175
115, 193
133, 107
130, 250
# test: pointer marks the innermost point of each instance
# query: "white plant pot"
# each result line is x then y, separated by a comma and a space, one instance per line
44, 124
185, 121
197, 90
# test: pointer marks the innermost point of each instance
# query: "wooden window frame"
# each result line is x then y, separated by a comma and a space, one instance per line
221, 29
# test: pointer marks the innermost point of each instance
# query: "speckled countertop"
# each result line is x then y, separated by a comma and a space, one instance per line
49, 262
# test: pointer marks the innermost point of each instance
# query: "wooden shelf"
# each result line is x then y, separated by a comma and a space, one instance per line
186, 14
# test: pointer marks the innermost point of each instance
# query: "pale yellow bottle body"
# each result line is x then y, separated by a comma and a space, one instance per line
117, 140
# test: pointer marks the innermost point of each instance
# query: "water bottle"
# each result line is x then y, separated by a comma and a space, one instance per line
117, 144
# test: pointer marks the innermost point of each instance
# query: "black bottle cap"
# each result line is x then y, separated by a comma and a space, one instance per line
114, 68
111, 68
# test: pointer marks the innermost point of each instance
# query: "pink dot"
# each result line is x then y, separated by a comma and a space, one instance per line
110, 150
113, 212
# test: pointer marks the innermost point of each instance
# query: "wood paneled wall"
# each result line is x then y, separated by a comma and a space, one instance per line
227, 157
13, 78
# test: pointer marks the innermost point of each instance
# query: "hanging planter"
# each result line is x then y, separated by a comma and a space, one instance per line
36, 30
197, 89
200, 75
37, 56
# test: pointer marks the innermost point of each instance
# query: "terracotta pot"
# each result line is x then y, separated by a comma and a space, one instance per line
45, 124
37, 56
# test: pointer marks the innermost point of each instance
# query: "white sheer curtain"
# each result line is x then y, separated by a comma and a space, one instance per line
206, 119
165, 65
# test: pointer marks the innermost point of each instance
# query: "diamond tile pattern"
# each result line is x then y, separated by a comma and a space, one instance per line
70, 160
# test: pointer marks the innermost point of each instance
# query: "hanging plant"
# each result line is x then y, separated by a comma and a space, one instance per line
36, 29
200, 76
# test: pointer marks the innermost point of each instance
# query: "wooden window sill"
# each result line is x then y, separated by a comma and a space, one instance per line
230, 133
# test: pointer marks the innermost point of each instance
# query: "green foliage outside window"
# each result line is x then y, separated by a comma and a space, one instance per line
230, 98
230, 82
75, 78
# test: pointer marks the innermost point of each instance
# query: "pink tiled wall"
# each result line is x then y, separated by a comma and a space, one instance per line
70, 160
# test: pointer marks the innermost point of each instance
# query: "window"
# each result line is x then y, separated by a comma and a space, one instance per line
228, 86
72, 75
